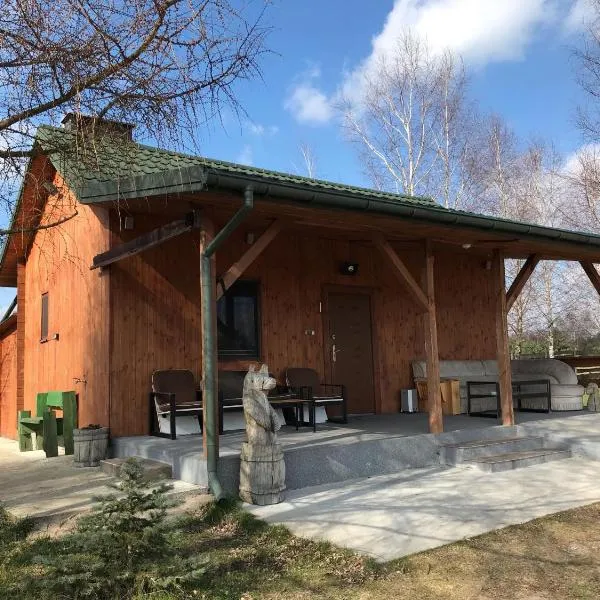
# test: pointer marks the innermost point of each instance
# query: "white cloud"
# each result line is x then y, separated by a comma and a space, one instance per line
581, 14
246, 156
572, 164
480, 31
306, 102
260, 130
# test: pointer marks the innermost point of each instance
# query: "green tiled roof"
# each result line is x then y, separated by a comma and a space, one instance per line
108, 171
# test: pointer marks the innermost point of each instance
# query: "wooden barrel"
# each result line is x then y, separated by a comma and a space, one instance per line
262, 474
90, 446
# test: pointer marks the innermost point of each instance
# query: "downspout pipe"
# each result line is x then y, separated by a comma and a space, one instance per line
209, 344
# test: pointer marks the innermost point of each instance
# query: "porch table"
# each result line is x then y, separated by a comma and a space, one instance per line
286, 400
292, 401
530, 389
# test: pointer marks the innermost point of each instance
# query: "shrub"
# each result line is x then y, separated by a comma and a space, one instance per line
115, 552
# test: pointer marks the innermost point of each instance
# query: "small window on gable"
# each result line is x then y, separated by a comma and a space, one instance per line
44, 327
238, 321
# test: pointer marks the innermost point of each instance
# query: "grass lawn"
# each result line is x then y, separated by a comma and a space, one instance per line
556, 557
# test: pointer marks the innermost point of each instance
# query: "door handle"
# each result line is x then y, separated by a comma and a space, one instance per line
334, 352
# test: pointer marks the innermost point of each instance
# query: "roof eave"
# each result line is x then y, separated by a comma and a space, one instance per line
329, 199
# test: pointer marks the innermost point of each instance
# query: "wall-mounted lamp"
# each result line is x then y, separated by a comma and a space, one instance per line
467, 246
488, 265
349, 268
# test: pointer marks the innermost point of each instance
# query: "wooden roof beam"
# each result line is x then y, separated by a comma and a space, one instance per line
147, 240
592, 273
402, 273
521, 279
237, 269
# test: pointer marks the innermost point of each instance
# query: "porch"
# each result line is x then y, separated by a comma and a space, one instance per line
350, 283
367, 446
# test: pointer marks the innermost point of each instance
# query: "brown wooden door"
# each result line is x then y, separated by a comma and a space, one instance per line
350, 348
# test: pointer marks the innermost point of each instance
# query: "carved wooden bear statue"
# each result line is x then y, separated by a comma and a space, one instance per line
262, 468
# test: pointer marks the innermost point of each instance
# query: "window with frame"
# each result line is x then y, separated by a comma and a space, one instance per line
238, 321
44, 318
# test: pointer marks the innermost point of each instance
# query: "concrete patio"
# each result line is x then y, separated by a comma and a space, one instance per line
391, 516
402, 500
52, 489
367, 446
415, 505
395, 515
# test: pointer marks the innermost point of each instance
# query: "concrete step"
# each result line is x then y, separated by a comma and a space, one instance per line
517, 460
453, 454
154, 470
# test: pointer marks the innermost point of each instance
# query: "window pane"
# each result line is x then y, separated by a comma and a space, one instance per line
237, 321
244, 309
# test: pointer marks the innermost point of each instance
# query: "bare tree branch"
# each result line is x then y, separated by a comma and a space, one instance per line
165, 66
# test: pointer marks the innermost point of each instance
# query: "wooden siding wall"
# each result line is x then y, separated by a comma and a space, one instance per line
155, 308
59, 264
8, 385
155, 302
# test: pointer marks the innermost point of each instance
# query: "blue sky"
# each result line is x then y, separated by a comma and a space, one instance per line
517, 52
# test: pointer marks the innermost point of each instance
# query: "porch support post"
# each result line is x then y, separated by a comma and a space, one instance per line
520, 280
237, 269
502, 349
434, 397
591, 272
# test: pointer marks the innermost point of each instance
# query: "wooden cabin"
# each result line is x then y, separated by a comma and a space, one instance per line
353, 282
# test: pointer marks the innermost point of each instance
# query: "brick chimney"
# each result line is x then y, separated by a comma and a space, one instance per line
95, 126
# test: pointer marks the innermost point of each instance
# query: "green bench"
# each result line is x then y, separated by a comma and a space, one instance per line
46, 425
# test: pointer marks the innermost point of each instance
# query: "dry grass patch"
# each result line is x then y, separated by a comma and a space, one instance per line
554, 558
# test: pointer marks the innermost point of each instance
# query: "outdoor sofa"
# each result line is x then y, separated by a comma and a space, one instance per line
565, 392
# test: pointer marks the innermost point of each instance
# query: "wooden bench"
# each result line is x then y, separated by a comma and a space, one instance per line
174, 393
46, 425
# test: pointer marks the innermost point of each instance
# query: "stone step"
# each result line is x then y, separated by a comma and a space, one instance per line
453, 454
154, 470
517, 460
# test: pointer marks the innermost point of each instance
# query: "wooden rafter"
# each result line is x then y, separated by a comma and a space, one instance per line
147, 240
521, 279
237, 269
592, 273
402, 273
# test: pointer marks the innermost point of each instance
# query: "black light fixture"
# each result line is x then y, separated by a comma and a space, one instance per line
349, 268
